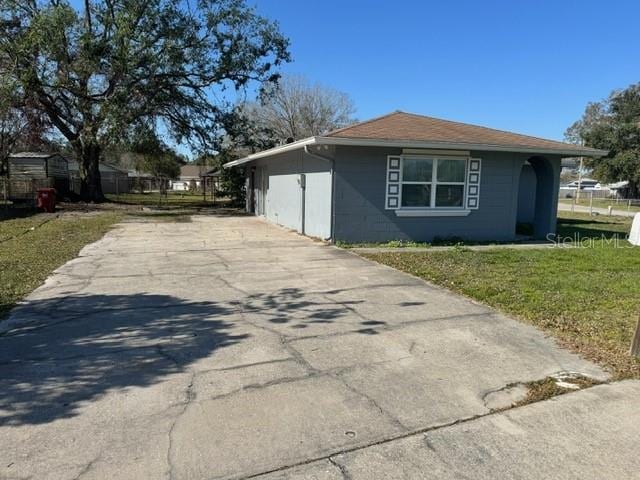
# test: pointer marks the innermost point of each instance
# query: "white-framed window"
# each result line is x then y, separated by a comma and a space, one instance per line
429, 184
432, 182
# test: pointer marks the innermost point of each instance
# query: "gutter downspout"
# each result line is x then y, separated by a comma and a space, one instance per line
332, 162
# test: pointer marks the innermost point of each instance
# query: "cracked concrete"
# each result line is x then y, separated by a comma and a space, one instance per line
229, 348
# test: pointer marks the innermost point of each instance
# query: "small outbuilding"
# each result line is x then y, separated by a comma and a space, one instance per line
29, 171
114, 180
410, 177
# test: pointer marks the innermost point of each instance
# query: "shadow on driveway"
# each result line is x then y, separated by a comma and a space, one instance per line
79, 348
88, 345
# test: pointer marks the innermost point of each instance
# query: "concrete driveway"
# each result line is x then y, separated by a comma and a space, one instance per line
228, 348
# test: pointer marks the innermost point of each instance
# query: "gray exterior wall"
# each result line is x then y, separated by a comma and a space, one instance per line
360, 195
280, 197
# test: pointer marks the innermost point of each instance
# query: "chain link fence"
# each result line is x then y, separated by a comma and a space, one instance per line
599, 199
22, 190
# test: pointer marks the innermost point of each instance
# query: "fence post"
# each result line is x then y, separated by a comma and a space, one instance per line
629, 206
4, 192
591, 204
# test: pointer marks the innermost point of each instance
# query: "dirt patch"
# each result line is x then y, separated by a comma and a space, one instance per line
555, 385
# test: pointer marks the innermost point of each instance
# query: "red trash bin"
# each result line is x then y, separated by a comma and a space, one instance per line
47, 199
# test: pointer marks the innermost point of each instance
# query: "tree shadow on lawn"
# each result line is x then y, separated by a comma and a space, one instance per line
76, 348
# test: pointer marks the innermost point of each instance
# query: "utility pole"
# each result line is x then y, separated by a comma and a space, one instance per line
580, 179
580, 174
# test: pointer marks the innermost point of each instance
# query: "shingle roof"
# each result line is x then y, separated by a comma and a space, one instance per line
408, 130
400, 126
193, 170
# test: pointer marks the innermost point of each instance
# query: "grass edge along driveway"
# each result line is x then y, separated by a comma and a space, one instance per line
587, 297
33, 247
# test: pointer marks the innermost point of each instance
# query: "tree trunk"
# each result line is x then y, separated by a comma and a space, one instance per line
88, 154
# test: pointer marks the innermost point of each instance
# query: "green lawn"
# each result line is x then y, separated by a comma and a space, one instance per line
587, 297
32, 247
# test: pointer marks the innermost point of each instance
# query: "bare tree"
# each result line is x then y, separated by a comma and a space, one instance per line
294, 108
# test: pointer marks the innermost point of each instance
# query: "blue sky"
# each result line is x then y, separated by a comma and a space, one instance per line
525, 66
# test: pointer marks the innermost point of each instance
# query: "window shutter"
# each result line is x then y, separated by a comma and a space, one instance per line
473, 183
392, 196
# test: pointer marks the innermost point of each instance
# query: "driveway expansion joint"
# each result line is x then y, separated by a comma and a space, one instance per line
343, 470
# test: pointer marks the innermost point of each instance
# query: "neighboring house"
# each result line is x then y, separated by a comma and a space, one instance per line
113, 179
179, 185
132, 173
410, 177
190, 177
143, 181
31, 170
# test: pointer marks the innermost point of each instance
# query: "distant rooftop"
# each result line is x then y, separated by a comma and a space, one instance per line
193, 170
32, 155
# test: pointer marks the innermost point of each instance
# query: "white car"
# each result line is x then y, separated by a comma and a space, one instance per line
585, 184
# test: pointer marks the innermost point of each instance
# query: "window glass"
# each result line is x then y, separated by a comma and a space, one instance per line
417, 169
416, 195
451, 170
449, 195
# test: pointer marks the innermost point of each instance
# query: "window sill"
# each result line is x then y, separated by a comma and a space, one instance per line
406, 212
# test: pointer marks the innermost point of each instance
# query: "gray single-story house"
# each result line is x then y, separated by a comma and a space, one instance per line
410, 177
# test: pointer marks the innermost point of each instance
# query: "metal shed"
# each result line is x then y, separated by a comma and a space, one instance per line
29, 171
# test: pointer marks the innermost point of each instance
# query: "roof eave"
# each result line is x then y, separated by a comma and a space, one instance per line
272, 151
367, 142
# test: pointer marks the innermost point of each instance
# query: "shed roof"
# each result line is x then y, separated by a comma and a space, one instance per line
103, 166
214, 172
401, 129
42, 155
